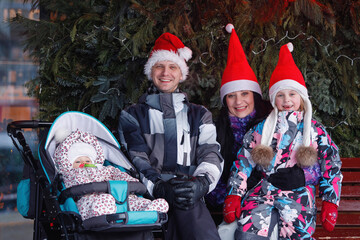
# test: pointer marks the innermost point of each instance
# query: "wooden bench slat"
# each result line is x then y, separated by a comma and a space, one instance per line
345, 205
350, 191
338, 233
347, 191
348, 220
350, 163
351, 177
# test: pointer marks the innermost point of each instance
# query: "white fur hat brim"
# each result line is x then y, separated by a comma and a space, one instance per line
239, 85
165, 55
80, 149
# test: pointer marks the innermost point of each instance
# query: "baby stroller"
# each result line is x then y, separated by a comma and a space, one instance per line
42, 195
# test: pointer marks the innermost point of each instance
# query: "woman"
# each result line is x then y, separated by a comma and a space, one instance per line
243, 107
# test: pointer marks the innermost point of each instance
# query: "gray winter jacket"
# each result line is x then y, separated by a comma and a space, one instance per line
165, 135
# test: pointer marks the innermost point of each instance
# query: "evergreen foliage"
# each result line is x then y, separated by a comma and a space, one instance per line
91, 53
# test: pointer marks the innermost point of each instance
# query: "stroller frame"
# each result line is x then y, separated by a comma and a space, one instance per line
49, 219
15, 131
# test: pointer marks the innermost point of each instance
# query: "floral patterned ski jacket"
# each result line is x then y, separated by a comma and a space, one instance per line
287, 138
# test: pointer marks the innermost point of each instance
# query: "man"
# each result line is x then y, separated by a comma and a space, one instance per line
172, 143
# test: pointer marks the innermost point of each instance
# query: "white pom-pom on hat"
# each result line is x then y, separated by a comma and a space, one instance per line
185, 53
61, 134
229, 27
290, 46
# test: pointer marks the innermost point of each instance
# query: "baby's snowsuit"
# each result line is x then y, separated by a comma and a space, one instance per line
97, 204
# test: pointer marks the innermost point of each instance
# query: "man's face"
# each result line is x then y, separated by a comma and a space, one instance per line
166, 76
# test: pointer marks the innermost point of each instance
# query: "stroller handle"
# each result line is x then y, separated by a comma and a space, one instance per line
14, 130
17, 125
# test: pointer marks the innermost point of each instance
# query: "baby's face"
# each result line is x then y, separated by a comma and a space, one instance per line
81, 161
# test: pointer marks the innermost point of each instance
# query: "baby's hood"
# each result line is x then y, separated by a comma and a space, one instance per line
61, 157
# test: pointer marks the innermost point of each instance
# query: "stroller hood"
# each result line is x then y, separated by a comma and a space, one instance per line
73, 121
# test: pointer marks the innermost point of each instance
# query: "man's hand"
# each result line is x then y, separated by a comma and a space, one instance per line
189, 191
164, 190
232, 208
329, 214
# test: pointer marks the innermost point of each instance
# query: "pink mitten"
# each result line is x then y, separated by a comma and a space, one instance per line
232, 208
329, 214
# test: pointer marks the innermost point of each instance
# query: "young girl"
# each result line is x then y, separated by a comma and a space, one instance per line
80, 159
293, 153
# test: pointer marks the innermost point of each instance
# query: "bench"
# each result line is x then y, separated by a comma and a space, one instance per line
348, 222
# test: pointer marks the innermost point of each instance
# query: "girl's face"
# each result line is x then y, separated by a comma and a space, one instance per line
81, 160
288, 100
240, 103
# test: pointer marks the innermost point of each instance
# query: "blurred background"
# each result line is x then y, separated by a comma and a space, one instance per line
16, 68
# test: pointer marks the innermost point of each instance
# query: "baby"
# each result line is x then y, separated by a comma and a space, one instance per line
80, 159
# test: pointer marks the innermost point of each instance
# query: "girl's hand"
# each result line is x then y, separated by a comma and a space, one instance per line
329, 214
232, 208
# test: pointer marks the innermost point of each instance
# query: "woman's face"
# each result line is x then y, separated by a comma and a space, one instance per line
240, 103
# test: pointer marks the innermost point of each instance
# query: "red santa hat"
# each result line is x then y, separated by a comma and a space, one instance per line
169, 47
80, 149
288, 76
238, 75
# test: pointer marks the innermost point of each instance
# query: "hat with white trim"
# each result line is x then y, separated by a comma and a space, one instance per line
238, 75
169, 47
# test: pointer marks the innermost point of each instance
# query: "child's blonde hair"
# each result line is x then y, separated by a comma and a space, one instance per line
302, 105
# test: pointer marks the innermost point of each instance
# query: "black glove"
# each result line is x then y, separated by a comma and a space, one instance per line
190, 191
164, 190
288, 178
254, 178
